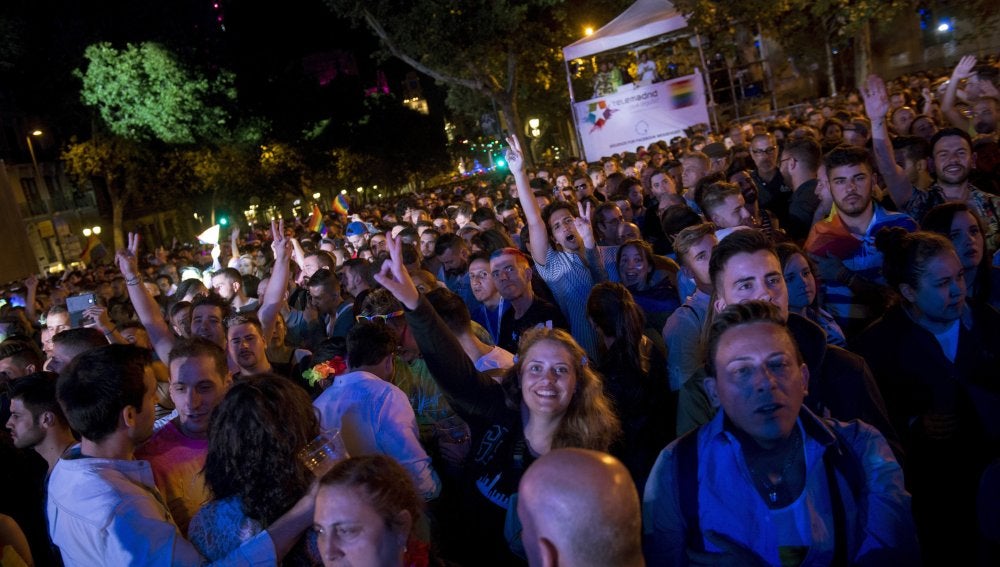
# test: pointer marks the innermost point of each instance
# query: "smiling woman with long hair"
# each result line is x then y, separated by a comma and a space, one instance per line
252, 469
550, 398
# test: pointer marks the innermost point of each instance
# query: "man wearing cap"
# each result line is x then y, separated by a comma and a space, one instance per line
357, 236
718, 157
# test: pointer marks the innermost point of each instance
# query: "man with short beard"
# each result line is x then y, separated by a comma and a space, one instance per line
951, 154
453, 251
843, 244
199, 380
247, 346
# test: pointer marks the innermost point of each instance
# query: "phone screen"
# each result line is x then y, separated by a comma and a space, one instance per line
77, 304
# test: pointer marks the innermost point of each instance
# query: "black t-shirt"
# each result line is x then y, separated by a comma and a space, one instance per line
540, 313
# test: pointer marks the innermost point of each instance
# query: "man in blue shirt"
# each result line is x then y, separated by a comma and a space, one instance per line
767, 481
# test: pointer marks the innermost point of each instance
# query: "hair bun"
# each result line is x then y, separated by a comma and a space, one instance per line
890, 239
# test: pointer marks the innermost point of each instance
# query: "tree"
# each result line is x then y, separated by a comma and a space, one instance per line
147, 100
809, 28
122, 166
144, 92
481, 45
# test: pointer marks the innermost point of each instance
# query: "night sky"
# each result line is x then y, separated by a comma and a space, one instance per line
295, 62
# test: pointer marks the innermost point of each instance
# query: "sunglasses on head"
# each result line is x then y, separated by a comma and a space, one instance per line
378, 318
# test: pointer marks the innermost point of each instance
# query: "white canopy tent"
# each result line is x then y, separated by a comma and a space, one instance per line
643, 20
644, 24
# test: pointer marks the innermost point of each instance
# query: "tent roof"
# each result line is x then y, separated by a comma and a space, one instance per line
644, 19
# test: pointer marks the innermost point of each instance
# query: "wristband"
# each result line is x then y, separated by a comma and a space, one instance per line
133, 281
111, 332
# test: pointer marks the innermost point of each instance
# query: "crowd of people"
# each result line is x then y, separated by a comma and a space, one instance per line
777, 344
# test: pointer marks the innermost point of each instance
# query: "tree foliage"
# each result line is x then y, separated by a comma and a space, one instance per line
505, 51
120, 165
144, 92
807, 28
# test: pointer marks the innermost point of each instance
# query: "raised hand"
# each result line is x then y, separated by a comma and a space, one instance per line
128, 259
583, 224
280, 244
876, 98
98, 315
31, 282
964, 69
515, 156
394, 277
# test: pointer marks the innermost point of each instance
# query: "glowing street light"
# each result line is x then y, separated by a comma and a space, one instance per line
86, 232
534, 123
316, 196
588, 30
96, 229
343, 191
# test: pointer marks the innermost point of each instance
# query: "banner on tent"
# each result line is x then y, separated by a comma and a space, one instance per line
640, 114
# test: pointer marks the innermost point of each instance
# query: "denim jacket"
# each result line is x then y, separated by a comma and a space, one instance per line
880, 527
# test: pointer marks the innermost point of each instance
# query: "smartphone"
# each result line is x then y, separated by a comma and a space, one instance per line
77, 304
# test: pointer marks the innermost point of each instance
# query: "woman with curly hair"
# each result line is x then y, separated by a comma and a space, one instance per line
634, 368
252, 469
550, 398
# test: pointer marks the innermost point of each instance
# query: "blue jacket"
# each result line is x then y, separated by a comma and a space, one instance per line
880, 528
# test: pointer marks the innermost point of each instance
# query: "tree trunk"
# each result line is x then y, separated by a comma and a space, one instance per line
863, 54
117, 207
511, 115
831, 76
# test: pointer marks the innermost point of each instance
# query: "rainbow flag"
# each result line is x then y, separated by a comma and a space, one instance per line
682, 93
315, 222
341, 205
93, 245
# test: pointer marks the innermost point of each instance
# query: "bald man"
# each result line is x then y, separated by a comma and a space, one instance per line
593, 519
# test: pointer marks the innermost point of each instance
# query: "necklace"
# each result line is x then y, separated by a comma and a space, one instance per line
763, 479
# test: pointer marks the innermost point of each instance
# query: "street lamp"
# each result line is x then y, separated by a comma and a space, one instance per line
588, 30
34, 161
316, 196
534, 131
97, 230
87, 231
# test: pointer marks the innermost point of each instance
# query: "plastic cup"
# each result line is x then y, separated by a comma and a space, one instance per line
320, 454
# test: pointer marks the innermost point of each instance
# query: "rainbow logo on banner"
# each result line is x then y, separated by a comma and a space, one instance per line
682, 93
599, 114
341, 205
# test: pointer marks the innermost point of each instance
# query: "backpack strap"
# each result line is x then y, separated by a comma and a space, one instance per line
840, 458
686, 457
